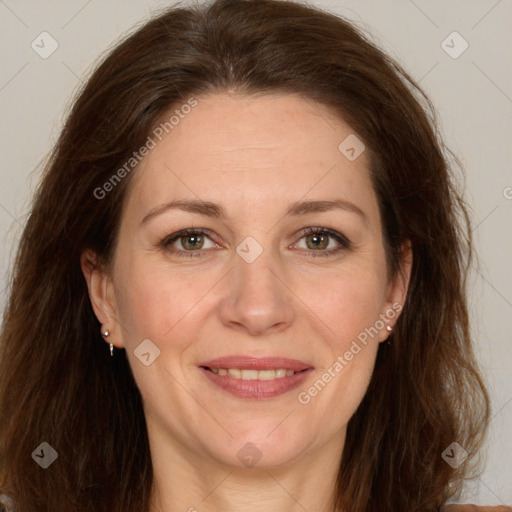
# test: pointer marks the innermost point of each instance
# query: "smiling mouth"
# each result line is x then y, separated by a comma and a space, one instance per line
255, 378
252, 374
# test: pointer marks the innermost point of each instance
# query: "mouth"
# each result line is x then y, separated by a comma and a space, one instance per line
255, 378
238, 373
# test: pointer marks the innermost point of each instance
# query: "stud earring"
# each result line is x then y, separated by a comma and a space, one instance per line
106, 334
390, 330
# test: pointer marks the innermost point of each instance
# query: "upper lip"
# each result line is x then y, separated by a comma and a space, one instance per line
256, 363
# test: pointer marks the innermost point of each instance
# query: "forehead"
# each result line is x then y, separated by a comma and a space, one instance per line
270, 149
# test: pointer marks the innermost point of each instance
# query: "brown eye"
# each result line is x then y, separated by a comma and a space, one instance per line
317, 241
191, 242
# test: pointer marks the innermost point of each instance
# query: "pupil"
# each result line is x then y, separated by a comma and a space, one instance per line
191, 241
318, 241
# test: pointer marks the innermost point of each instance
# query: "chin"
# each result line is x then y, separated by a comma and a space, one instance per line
261, 451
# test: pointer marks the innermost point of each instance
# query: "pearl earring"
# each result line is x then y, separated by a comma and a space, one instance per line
106, 334
390, 330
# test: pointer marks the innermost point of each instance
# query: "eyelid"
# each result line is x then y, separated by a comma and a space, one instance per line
313, 230
310, 230
184, 232
342, 240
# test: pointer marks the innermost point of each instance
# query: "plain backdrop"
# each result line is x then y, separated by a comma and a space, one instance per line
472, 92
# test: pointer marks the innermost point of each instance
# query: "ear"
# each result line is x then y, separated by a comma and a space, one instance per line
101, 294
396, 292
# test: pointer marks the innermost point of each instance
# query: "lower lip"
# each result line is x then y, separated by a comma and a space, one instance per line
257, 389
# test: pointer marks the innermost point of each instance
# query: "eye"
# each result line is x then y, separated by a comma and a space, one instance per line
189, 241
322, 241
316, 241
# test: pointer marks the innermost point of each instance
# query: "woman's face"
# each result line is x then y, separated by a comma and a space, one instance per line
283, 268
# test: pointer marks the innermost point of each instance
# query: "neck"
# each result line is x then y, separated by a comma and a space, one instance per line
190, 482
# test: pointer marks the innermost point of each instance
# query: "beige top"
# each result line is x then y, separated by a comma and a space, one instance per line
7, 506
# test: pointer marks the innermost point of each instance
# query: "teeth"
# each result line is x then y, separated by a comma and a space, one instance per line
248, 374
253, 374
237, 374
266, 374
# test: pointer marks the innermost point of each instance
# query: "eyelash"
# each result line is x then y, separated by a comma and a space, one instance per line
341, 239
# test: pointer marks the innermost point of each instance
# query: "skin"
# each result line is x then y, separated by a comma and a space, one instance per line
254, 155
476, 508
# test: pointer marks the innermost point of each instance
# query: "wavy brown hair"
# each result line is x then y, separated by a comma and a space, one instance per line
57, 382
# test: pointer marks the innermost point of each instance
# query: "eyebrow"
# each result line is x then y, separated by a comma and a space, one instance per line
209, 209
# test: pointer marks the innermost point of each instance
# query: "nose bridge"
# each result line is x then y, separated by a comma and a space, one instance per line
258, 300
253, 262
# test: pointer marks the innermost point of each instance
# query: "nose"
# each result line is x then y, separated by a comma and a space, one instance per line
258, 300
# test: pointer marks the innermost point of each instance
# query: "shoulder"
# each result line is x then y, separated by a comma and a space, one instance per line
475, 508
5, 503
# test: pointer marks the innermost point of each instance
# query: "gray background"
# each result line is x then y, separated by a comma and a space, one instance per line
472, 94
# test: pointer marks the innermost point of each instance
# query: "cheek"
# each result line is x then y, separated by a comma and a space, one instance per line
156, 302
346, 303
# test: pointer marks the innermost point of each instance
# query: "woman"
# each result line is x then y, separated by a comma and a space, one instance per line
249, 204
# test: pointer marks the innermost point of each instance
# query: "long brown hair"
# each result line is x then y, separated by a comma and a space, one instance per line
58, 384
